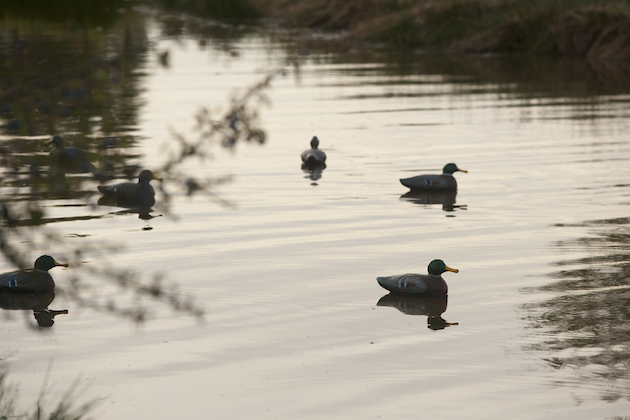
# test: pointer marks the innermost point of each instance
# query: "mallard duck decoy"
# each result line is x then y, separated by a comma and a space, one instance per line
35, 280
314, 157
69, 158
133, 194
444, 182
420, 284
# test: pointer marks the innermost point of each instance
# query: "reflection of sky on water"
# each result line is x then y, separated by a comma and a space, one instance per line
287, 277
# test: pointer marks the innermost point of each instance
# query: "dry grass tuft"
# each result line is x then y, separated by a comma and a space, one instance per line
585, 28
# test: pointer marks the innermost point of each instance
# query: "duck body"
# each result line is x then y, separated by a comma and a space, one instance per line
69, 158
431, 284
417, 284
313, 157
35, 280
444, 182
132, 194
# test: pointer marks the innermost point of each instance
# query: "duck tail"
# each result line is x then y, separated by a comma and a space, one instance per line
105, 189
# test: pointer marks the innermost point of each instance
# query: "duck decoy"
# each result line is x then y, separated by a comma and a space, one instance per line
313, 157
129, 194
431, 284
69, 158
35, 280
444, 182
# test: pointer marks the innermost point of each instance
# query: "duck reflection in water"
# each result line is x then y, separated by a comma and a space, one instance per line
313, 174
313, 161
446, 199
37, 302
431, 306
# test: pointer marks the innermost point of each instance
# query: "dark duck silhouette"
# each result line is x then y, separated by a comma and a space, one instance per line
131, 194
431, 284
70, 159
444, 182
313, 157
35, 280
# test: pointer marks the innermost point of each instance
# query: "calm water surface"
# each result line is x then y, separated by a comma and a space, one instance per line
293, 327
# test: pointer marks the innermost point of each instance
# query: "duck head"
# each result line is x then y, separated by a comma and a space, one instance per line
147, 176
451, 168
314, 142
46, 262
57, 141
437, 267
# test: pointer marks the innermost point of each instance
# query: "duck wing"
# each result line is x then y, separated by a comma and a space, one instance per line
404, 283
80, 159
73, 159
430, 182
313, 157
130, 194
124, 189
27, 281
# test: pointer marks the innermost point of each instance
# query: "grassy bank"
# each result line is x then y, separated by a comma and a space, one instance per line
596, 29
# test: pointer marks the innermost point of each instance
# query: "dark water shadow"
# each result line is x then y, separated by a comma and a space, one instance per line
143, 213
585, 326
445, 199
314, 171
36, 302
432, 307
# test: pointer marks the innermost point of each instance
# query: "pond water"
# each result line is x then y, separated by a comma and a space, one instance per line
295, 324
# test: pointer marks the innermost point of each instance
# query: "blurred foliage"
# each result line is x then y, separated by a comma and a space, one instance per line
65, 409
83, 81
85, 13
218, 9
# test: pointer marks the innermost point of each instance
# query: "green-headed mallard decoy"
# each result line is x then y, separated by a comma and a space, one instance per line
431, 284
31, 281
133, 194
69, 158
444, 182
314, 157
